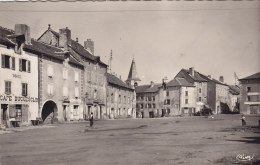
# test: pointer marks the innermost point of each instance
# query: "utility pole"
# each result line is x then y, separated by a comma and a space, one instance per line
110, 61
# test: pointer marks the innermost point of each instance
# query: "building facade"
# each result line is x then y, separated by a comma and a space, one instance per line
180, 97
19, 78
250, 94
120, 98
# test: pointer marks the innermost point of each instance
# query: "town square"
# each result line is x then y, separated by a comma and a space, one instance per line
130, 82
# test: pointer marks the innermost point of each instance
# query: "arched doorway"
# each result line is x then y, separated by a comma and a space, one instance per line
49, 112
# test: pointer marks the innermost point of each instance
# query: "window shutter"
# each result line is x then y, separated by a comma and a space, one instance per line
13, 63
29, 66
77, 92
3, 61
20, 64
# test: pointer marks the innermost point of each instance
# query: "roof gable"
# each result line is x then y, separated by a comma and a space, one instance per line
112, 79
253, 76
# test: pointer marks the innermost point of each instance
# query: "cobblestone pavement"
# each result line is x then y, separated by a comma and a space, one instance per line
164, 141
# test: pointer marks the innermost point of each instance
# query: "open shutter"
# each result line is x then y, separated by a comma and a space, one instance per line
3, 61
13, 63
29, 66
20, 64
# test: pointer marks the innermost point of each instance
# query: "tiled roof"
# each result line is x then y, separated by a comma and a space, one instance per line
212, 80
42, 48
253, 76
179, 82
3, 36
148, 88
196, 77
81, 50
234, 89
112, 79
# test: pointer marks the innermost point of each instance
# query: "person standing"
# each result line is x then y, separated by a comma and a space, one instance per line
243, 120
91, 120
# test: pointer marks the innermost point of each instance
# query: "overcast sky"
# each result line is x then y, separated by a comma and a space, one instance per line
215, 37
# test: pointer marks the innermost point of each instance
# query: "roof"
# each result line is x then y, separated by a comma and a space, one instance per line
42, 48
179, 82
196, 77
112, 79
133, 73
212, 79
234, 89
253, 76
148, 88
4, 32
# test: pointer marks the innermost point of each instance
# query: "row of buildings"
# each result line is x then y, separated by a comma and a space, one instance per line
55, 78
190, 92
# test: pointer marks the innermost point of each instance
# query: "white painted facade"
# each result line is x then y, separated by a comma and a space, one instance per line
17, 77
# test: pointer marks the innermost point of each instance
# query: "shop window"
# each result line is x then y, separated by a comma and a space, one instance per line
8, 87
8, 62
24, 89
24, 65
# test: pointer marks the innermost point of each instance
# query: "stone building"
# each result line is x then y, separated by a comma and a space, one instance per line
250, 94
149, 101
19, 77
120, 98
234, 98
180, 97
89, 84
201, 88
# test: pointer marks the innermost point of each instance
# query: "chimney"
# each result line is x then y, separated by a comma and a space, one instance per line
152, 84
22, 33
191, 71
77, 39
209, 76
64, 38
89, 45
221, 79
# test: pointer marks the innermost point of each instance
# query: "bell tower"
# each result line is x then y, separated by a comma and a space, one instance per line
133, 77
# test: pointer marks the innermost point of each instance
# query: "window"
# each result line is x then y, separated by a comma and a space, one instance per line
149, 98
8, 87
119, 99
153, 98
199, 98
154, 106
142, 106
65, 74
76, 76
142, 98
199, 90
124, 99
50, 71
95, 94
24, 65
248, 89
186, 93
75, 110
65, 91
112, 98
24, 89
248, 98
50, 89
76, 91
186, 101
8, 62
168, 102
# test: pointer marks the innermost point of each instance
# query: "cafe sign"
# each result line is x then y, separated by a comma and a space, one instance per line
17, 99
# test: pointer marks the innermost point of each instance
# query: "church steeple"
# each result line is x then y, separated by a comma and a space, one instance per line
133, 76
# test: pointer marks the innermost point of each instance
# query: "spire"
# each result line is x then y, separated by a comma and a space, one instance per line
133, 76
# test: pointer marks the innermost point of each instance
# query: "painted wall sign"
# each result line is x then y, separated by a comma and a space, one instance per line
17, 76
18, 98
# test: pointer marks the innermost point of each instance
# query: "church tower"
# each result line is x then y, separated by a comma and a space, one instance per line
133, 76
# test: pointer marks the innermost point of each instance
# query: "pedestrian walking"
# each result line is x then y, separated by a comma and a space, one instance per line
91, 120
243, 120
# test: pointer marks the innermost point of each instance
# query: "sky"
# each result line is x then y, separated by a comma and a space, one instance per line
217, 38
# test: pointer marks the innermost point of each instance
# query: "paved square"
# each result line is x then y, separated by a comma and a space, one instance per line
164, 141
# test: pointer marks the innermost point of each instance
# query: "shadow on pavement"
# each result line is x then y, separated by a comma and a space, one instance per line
254, 140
